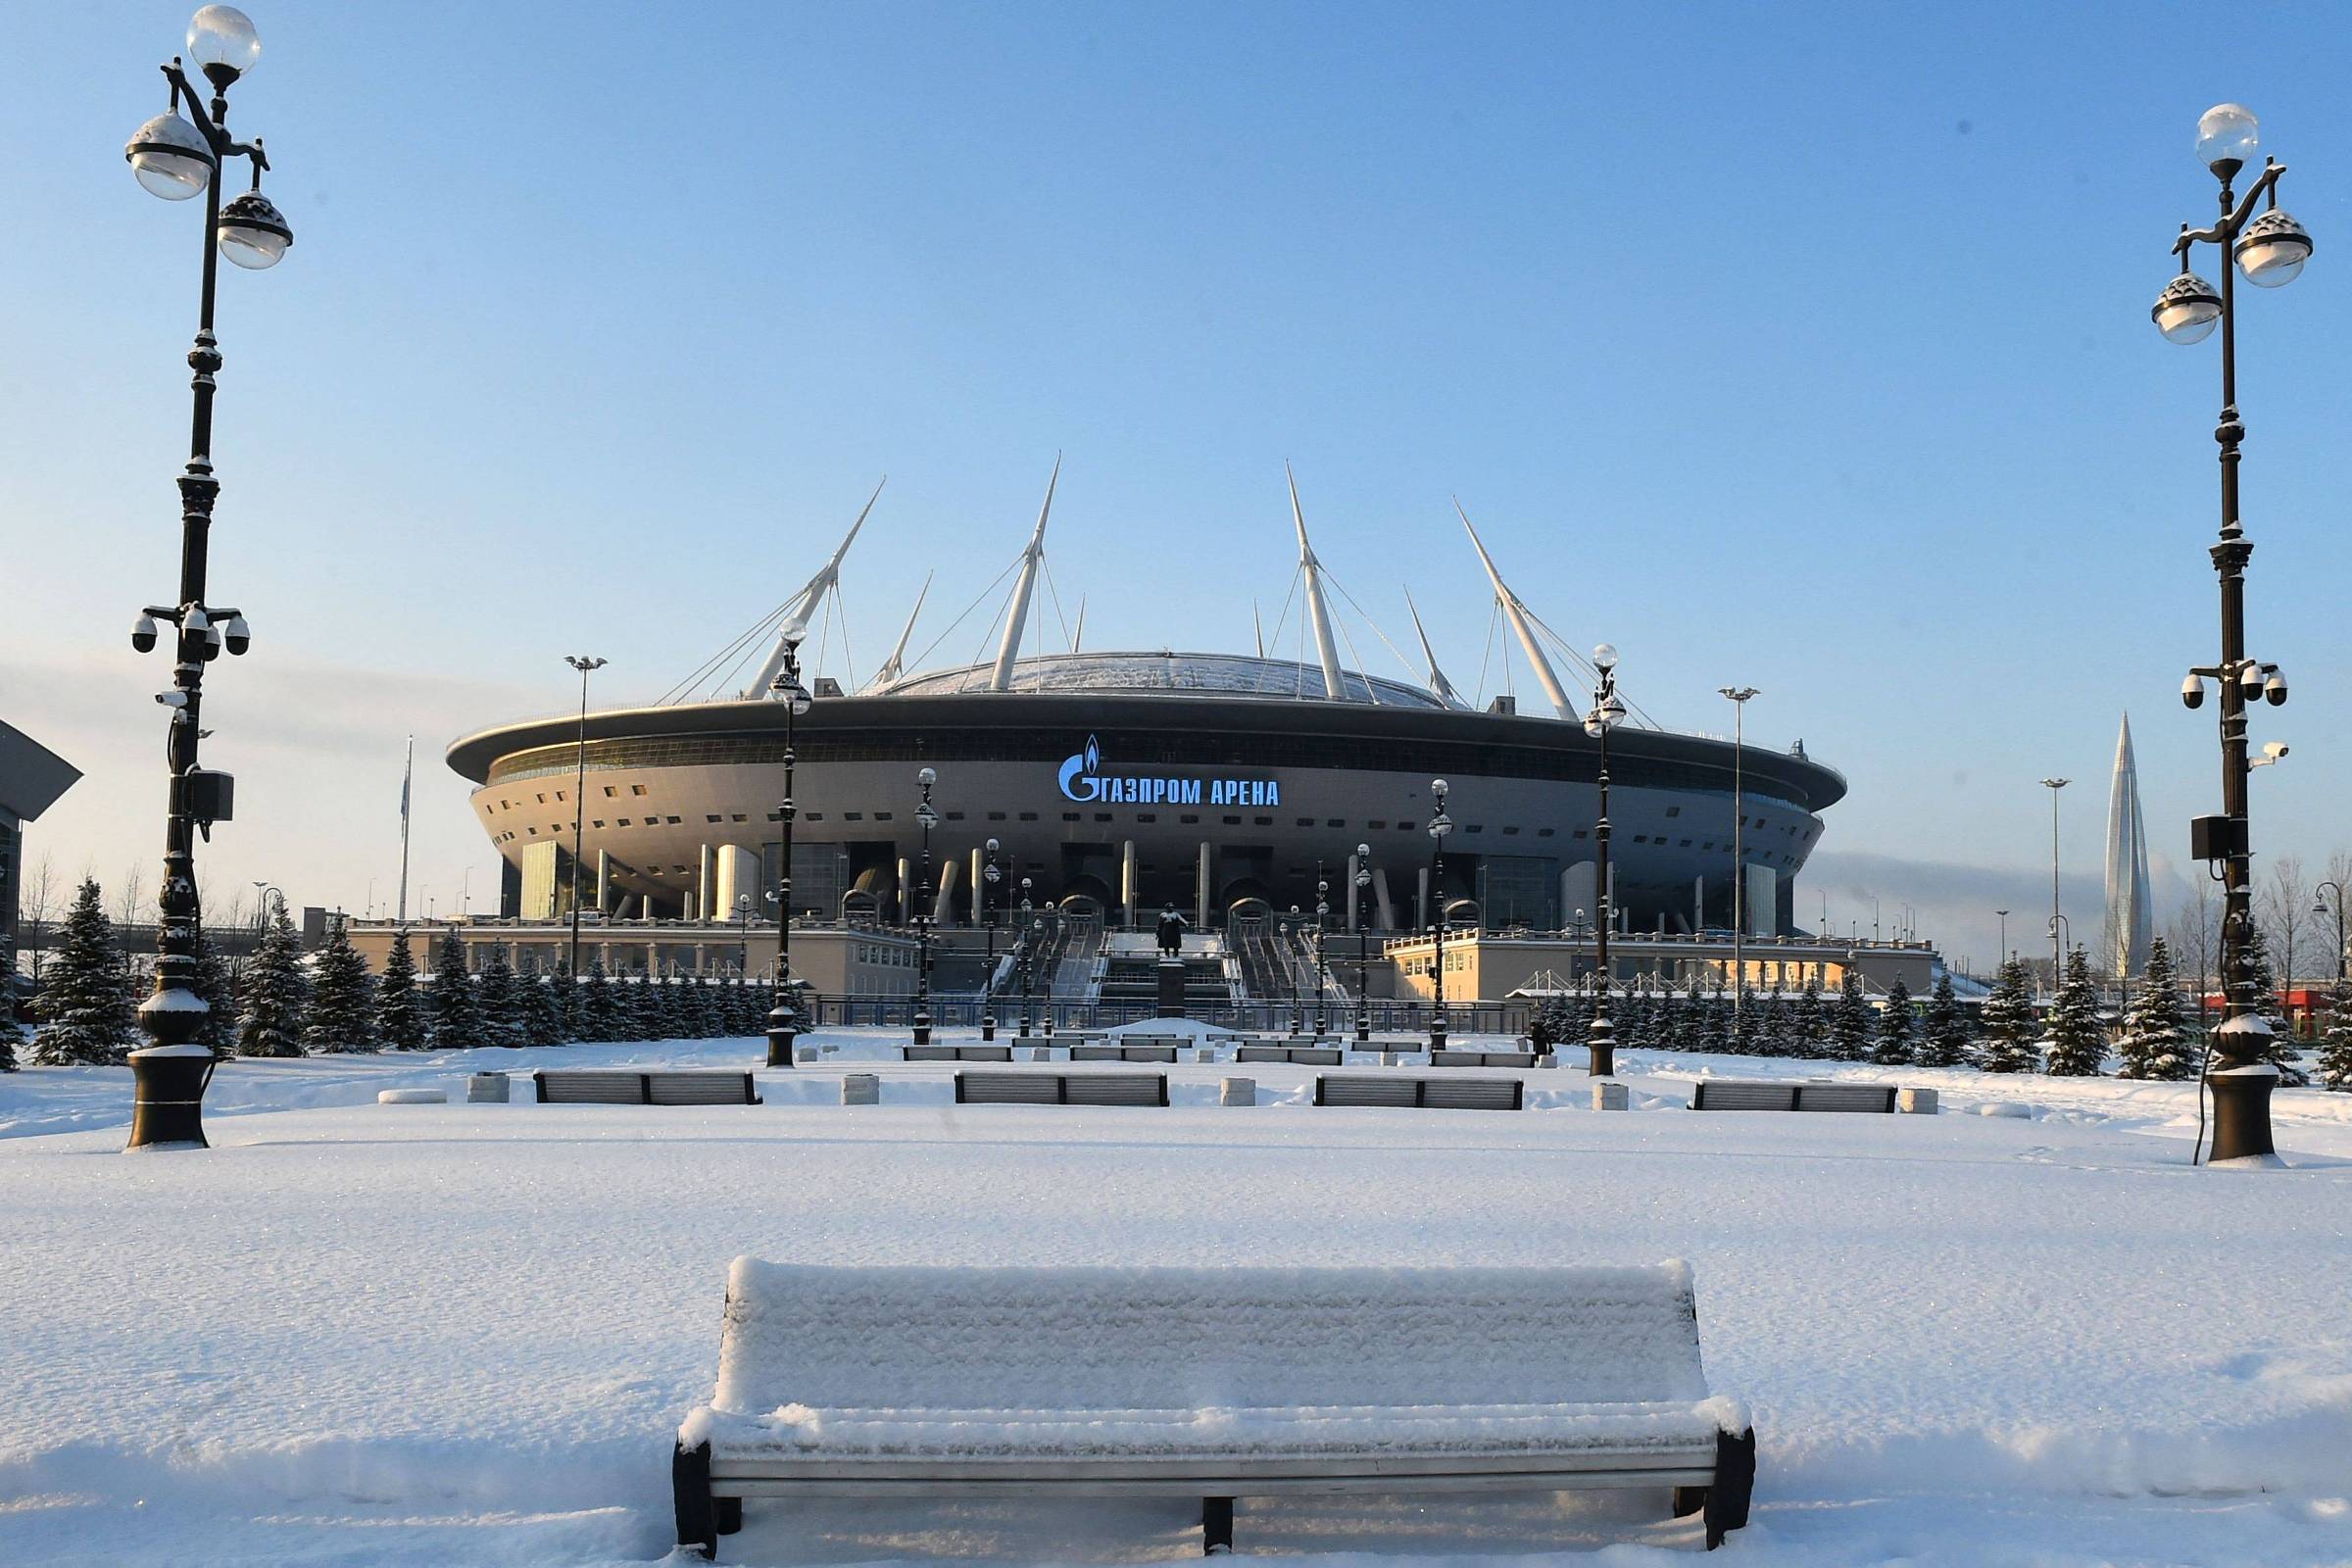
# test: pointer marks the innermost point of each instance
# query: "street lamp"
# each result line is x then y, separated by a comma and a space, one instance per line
2057, 954
1322, 971
1030, 926
1738, 695
784, 1017
1290, 969
1608, 711
2319, 905
1439, 824
928, 819
2269, 249
1363, 944
174, 156
987, 985
579, 799
2004, 953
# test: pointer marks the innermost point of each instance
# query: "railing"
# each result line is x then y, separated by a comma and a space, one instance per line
1405, 1015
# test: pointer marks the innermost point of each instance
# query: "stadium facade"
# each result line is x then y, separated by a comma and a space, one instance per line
1135, 781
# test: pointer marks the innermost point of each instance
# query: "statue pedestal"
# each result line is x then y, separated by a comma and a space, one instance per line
1171, 989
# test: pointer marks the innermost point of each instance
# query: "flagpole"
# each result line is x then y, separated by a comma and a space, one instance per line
407, 768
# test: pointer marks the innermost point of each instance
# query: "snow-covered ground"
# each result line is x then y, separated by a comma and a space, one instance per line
366, 1334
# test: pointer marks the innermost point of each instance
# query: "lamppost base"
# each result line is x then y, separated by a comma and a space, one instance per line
2241, 1113
782, 1029
1600, 1044
1363, 1027
167, 1096
987, 1026
1437, 1033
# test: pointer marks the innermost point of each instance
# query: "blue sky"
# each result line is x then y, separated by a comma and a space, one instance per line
1805, 347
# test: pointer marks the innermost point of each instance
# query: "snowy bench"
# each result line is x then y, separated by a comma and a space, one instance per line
1749, 1094
1061, 1089
1428, 1094
1154, 1050
1210, 1383
583, 1085
1301, 1056
1483, 1059
956, 1052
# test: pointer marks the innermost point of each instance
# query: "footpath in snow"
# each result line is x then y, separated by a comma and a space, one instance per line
367, 1334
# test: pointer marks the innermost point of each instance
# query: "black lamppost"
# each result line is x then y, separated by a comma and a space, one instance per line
1364, 944
784, 1017
928, 819
987, 985
1608, 711
2057, 949
2269, 249
579, 799
1738, 695
1439, 824
2319, 905
1030, 926
1322, 970
175, 157
1290, 969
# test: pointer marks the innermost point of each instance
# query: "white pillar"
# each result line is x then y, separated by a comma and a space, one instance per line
1421, 900
1698, 907
1201, 890
979, 887
1578, 891
704, 871
738, 875
1127, 881
905, 908
1380, 901
604, 881
1353, 900
943, 897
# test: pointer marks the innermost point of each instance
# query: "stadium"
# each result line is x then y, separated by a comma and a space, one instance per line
1119, 783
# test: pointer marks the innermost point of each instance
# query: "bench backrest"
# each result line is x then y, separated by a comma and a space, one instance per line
700, 1089
1061, 1089
1482, 1058
1428, 1094
589, 1086
956, 1052
1845, 1097
1731, 1093
1129, 1339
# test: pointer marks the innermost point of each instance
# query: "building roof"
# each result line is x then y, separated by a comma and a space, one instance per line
31, 776
1190, 674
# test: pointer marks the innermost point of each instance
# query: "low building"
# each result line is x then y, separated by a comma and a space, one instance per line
1493, 966
852, 960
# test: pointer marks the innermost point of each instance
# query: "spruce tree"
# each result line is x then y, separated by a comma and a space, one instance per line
219, 1031
2078, 1045
1892, 1048
399, 1007
542, 1014
1706, 1028
1742, 1040
1945, 1040
277, 995
2284, 1053
646, 1013
11, 1033
2008, 1044
1667, 1019
456, 1021
1807, 1040
599, 1008
2155, 1045
85, 1006
341, 1017
497, 1002
1849, 1020
2335, 1046
563, 1001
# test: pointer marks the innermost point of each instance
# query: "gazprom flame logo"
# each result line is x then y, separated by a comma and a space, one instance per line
1079, 779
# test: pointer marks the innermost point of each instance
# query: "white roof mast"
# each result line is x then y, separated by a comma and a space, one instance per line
895, 666
1516, 613
804, 605
1326, 652
1438, 685
1016, 613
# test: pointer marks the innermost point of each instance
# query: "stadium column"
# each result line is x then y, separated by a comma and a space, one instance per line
1381, 899
1354, 899
1127, 881
977, 914
705, 872
1421, 900
906, 897
604, 881
1201, 890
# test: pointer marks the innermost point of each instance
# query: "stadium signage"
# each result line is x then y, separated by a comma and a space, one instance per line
1082, 779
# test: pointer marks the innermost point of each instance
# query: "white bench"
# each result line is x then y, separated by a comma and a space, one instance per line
1208, 1383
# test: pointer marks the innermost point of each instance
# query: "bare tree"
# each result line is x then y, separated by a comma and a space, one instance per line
40, 899
2331, 920
130, 898
2194, 934
2285, 912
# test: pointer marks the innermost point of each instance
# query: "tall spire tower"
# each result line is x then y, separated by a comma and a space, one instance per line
2124, 948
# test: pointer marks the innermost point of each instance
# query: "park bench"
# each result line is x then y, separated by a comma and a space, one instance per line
1749, 1094
1428, 1094
956, 1052
620, 1086
1301, 1055
1483, 1059
1148, 1050
1061, 1089
877, 1382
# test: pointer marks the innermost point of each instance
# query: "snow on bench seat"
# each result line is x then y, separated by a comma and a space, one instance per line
1215, 1383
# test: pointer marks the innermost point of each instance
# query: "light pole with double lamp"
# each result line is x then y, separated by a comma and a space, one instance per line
1439, 824
1608, 711
2319, 905
784, 1017
1322, 970
2269, 249
177, 157
928, 819
1029, 927
988, 984
579, 799
1738, 695
2057, 947
1364, 944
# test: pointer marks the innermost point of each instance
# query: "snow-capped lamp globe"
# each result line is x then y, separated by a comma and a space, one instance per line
169, 157
2272, 249
2187, 310
223, 44
2227, 137
252, 232
1604, 656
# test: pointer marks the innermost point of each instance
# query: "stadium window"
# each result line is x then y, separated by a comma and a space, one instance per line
1028, 816
1377, 827
1476, 827
1674, 811
1147, 817
1686, 844
808, 816
1069, 817
1101, 816
1308, 822
1233, 821
597, 823
1335, 821
1263, 821
852, 817
1404, 828
883, 816
712, 817
621, 822
636, 789
1640, 838
543, 797
674, 821
740, 817
954, 816
1578, 834
1510, 832
534, 832
1545, 832
609, 792
995, 816
1189, 817
559, 795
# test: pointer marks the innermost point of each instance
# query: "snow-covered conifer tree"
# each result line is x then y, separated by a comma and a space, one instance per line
1946, 1039
1705, 1031
2335, 1046
456, 1020
11, 1033
2155, 1045
2009, 1039
1809, 1038
498, 1000
599, 1011
1849, 1020
85, 1006
399, 1007
341, 1016
219, 1031
277, 995
1892, 1047
2077, 1044
2284, 1053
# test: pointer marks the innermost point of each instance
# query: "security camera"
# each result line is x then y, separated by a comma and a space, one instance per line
2274, 750
2193, 691
142, 634
173, 698
2274, 688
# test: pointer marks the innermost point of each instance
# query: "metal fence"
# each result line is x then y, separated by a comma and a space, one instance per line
1258, 1017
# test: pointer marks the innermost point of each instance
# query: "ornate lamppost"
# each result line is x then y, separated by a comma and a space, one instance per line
579, 797
928, 819
1322, 971
1290, 969
1363, 944
1030, 926
1608, 711
1439, 824
2269, 249
2319, 905
2057, 920
1738, 695
177, 157
987, 985
784, 1017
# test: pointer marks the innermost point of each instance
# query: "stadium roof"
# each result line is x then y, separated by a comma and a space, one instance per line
1237, 675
